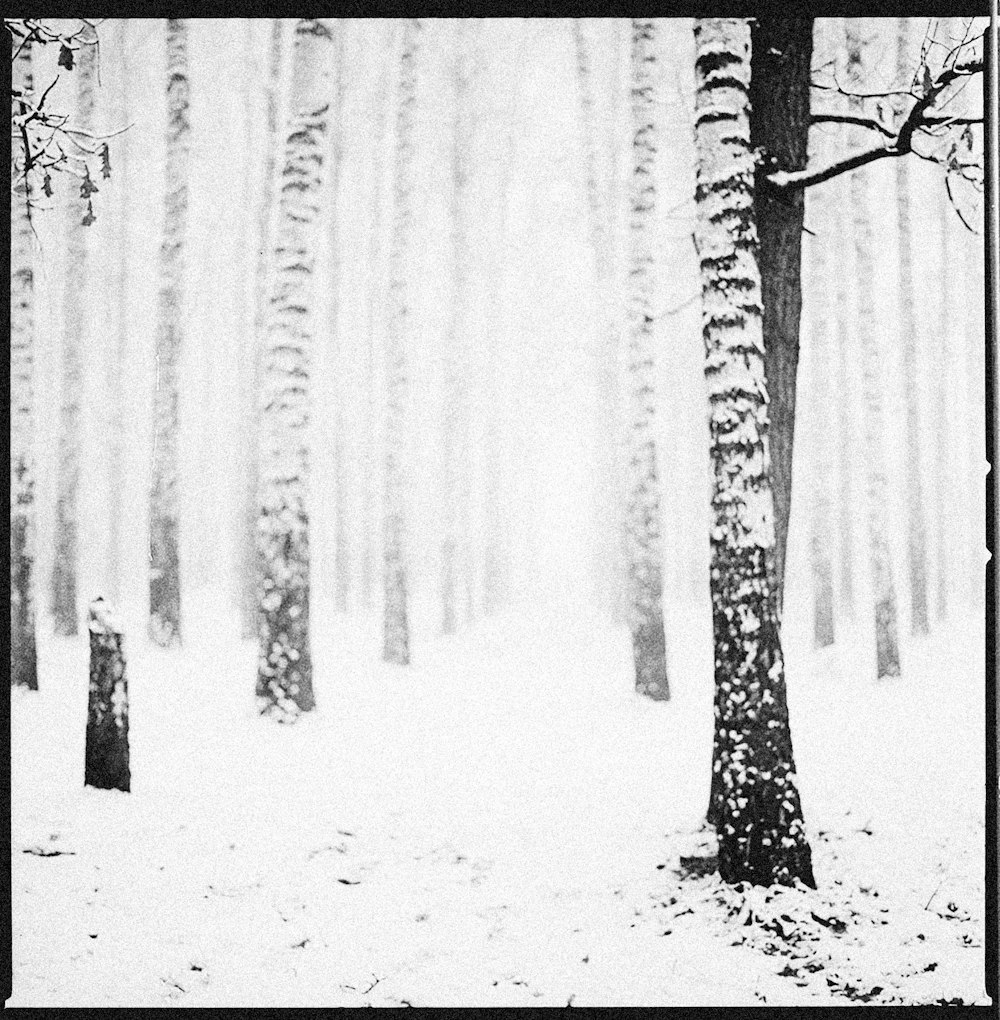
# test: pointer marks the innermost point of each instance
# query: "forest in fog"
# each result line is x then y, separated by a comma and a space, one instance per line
551, 419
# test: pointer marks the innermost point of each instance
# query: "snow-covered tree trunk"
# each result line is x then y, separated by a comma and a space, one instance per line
867, 332
106, 756
611, 482
823, 223
643, 514
75, 301
284, 671
455, 425
164, 501
249, 568
396, 630
755, 805
916, 530
23, 660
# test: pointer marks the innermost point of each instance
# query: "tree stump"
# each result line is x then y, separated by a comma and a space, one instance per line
106, 757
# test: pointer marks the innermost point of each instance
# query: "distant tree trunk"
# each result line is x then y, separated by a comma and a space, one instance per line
342, 544
106, 757
610, 475
916, 530
249, 566
886, 629
824, 225
284, 671
974, 326
372, 339
164, 504
645, 542
23, 660
496, 552
779, 126
396, 637
455, 424
755, 805
846, 431
118, 295
75, 292
943, 360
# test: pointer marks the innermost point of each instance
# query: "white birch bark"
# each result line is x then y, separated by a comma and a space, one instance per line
755, 804
643, 512
164, 502
23, 659
396, 630
284, 672
872, 386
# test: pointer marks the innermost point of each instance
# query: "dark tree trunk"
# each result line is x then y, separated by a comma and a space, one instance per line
779, 128
106, 757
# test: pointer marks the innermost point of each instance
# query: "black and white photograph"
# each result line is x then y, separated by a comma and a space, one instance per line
499, 511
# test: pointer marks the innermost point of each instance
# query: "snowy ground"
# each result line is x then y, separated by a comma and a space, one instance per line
500, 825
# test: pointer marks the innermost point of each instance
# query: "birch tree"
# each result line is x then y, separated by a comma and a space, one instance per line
396, 630
284, 668
755, 803
872, 385
916, 530
79, 215
164, 501
643, 512
944, 435
23, 662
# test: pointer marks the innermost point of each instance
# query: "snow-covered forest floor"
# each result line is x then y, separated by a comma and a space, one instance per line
502, 824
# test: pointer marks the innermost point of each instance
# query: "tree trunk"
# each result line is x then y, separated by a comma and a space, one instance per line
249, 566
944, 435
341, 534
645, 542
844, 326
825, 227
284, 673
23, 659
396, 635
755, 807
779, 127
164, 503
75, 290
454, 431
374, 331
106, 758
118, 292
886, 636
916, 530
611, 482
